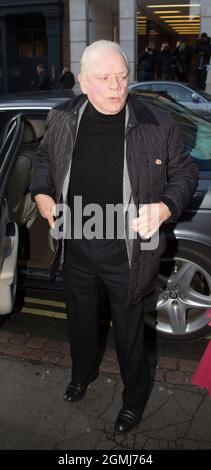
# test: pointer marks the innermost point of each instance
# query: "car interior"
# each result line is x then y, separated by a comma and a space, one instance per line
35, 249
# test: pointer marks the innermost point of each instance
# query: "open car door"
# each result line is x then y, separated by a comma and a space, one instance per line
8, 229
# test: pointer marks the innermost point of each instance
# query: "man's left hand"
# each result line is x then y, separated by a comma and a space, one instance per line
151, 217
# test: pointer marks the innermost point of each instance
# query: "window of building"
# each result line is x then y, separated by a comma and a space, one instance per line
31, 37
168, 24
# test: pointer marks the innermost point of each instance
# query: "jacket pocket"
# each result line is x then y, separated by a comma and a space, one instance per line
154, 174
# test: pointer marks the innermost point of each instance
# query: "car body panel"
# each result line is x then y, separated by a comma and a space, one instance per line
184, 94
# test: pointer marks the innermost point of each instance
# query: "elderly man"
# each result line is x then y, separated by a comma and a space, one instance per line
107, 149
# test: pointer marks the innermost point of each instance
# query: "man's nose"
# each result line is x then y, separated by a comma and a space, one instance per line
114, 83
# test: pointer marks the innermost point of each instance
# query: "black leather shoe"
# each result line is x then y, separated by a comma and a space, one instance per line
127, 420
76, 391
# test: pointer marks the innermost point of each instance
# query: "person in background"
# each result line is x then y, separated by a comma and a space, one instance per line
44, 81
165, 60
203, 53
106, 149
181, 61
66, 79
147, 61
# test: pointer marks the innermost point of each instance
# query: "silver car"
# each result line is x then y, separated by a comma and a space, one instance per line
197, 100
177, 309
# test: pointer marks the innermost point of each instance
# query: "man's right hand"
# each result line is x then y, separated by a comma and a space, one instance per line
46, 206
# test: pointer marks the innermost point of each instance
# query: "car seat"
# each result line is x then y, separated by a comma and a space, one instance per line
22, 209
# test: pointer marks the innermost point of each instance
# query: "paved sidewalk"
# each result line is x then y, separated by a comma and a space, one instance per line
33, 375
39, 349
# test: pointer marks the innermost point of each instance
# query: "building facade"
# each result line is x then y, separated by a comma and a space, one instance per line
55, 33
91, 20
30, 34
135, 23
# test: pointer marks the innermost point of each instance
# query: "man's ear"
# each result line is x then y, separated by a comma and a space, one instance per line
83, 82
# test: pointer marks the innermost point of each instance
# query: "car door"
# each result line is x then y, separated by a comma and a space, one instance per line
8, 229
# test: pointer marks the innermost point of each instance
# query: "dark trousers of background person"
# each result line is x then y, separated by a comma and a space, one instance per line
146, 76
200, 77
88, 262
177, 73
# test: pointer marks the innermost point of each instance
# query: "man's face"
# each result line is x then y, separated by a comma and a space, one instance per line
105, 81
165, 46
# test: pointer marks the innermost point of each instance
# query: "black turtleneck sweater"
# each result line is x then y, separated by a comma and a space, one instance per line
98, 158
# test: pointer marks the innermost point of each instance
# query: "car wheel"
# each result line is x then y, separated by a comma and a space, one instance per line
183, 294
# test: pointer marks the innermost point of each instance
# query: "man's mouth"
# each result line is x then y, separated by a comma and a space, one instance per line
113, 98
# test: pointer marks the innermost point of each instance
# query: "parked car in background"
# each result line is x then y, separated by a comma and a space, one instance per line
197, 101
177, 310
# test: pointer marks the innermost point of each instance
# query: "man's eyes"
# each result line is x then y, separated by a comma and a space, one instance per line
124, 77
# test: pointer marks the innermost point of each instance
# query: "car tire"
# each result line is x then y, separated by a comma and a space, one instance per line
177, 308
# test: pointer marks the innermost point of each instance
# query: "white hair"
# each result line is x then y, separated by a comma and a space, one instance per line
101, 44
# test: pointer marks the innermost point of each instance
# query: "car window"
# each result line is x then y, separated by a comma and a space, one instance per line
5, 117
141, 86
197, 135
144, 86
196, 131
177, 92
6, 144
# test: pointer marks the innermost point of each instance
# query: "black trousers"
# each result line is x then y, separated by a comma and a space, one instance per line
200, 78
87, 263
